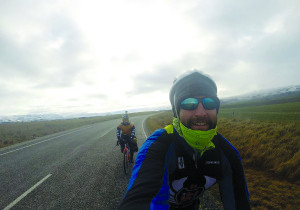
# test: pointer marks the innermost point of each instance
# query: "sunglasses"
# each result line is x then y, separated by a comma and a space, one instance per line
192, 103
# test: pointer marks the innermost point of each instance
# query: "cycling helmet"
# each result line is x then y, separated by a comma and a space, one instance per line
190, 84
125, 116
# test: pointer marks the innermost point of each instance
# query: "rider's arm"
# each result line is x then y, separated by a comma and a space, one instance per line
132, 130
118, 132
147, 186
233, 186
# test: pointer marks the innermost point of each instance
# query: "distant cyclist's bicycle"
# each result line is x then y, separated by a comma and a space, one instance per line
126, 153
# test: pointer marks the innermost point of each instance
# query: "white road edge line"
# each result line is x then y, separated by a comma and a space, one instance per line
144, 128
26, 193
42, 141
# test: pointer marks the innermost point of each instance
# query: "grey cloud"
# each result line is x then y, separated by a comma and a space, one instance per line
14, 60
13, 98
272, 57
99, 96
128, 58
221, 67
48, 67
281, 46
230, 21
161, 79
236, 18
6, 92
67, 63
148, 82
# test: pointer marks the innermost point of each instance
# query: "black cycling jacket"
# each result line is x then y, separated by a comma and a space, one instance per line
166, 174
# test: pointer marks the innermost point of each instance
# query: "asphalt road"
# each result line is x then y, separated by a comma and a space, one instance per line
75, 169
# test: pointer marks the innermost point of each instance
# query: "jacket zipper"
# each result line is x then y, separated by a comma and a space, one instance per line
195, 157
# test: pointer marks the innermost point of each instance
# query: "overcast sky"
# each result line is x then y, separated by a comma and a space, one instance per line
61, 56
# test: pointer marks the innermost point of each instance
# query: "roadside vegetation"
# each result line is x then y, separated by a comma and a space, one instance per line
287, 112
268, 146
266, 134
14, 133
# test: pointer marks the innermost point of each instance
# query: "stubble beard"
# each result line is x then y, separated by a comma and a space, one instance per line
212, 123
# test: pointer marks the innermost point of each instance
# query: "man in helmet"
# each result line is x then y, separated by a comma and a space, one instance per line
126, 133
177, 164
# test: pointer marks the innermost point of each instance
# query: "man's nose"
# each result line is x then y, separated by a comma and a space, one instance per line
200, 111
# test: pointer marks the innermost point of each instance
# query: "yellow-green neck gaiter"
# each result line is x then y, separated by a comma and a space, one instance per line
197, 139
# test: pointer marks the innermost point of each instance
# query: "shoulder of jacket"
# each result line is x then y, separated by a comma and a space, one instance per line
157, 133
159, 137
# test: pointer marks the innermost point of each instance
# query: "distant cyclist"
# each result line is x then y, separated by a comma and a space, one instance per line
126, 133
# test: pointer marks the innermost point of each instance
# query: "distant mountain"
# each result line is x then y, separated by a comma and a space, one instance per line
45, 117
269, 94
29, 118
63, 116
290, 93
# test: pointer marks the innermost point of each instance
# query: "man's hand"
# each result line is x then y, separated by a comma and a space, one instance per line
119, 139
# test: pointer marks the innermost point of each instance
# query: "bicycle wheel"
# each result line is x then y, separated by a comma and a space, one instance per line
125, 161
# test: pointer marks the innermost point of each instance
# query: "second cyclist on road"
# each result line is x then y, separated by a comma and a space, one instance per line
126, 133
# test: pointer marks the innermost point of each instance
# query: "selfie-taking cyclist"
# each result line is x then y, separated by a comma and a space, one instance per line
175, 165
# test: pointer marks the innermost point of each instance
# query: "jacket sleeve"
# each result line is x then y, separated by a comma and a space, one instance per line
133, 130
118, 132
233, 185
147, 186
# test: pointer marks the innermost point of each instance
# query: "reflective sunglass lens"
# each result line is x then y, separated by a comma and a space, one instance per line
209, 103
192, 103
189, 104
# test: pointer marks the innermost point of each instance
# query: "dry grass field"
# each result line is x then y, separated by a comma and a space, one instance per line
271, 157
269, 146
14, 133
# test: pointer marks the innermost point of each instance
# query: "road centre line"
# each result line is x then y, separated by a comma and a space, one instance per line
46, 177
106, 132
26, 193
42, 141
64, 135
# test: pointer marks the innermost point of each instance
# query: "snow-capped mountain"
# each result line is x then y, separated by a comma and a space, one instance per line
268, 94
45, 117
271, 94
